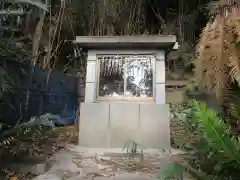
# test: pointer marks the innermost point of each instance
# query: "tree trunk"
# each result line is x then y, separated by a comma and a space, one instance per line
36, 42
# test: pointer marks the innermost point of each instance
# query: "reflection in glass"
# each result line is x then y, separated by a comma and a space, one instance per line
129, 76
111, 79
139, 77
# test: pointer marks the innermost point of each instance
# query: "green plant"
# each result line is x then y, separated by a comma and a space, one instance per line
213, 151
192, 87
133, 149
179, 122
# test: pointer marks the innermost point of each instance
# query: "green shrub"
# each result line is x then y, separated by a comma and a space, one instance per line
213, 151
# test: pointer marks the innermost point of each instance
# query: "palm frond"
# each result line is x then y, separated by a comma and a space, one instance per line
214, 152
217, 59
232, 102
219, 137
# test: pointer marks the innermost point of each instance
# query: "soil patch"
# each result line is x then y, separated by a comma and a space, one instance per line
37, 155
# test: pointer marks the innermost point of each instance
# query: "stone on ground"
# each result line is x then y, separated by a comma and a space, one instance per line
76, 163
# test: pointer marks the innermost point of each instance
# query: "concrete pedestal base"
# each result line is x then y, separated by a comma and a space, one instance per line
110, 125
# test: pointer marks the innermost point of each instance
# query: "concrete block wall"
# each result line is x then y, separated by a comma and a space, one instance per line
160, 96
91, 77
110, 125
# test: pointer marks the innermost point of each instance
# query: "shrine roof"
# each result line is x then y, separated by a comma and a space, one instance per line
126, 42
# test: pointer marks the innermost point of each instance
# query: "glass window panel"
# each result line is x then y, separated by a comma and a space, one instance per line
134, 71
139, 77
111, 78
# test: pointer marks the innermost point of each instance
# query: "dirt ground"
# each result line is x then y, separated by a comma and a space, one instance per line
76, 165
52, 143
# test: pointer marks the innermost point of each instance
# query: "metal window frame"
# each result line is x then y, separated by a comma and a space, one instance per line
124, 97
